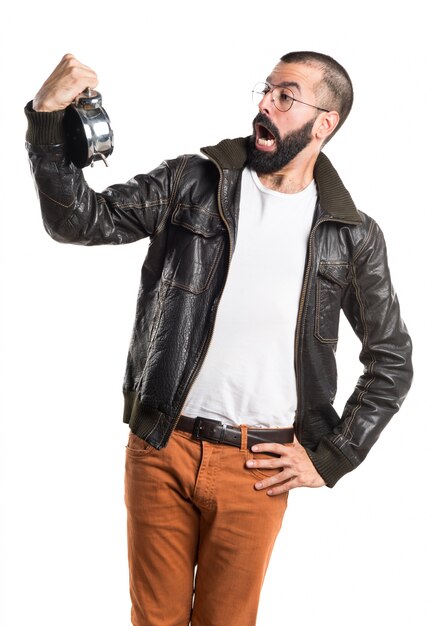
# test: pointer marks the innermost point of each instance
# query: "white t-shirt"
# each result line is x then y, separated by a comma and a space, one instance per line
248, 374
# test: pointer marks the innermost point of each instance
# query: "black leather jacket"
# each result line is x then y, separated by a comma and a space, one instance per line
189, 208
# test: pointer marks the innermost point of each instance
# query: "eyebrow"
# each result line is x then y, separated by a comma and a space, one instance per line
286, 83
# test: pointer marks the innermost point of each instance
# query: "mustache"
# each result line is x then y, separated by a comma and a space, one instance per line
262, 119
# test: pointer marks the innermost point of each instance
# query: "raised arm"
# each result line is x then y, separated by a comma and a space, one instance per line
71, 211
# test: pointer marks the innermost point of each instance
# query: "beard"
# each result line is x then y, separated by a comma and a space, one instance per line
286, 149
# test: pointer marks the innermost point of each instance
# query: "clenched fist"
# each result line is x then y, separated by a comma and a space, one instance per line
67, 81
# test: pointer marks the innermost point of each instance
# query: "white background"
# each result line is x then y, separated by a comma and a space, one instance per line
176, 76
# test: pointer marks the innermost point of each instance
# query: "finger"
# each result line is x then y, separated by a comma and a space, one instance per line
274, 463
287, 486
276, 448
281, 477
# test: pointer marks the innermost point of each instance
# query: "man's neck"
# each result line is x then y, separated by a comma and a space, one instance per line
292, 178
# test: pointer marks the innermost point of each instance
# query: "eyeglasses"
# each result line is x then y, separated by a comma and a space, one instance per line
282, 97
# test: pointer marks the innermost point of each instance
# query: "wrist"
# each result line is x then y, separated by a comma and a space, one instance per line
44, 127
43, 107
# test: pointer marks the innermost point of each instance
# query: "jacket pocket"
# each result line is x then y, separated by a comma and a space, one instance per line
332, 278
194, 248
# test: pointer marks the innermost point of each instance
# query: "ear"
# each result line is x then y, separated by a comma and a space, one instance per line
325, 124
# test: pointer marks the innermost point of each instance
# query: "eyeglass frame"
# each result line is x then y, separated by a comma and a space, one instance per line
292, 97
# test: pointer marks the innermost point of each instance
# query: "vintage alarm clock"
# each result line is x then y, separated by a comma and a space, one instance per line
89, 135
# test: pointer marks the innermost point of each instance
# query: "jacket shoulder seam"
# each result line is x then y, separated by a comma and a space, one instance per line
366, 240
173, 194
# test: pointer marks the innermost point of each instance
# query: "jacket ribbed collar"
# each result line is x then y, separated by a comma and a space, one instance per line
334, 199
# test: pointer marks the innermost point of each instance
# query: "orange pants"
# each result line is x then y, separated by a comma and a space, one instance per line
192, 504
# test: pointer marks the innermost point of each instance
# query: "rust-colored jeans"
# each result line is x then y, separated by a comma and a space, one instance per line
194, 504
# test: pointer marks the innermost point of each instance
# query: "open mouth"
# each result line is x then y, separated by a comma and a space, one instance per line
264, 137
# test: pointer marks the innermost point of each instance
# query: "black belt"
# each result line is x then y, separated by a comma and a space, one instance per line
217, 432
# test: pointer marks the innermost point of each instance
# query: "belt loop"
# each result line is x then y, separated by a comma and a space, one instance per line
243, 437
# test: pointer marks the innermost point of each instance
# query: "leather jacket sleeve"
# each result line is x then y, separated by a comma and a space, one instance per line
372, 308
74, 213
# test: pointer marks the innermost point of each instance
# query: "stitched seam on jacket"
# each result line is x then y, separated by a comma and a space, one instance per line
197, 231
317, 318
189, 289
172, 197
134, 205
161, 226
201, 208
337, 263
366, 240
66, 206
346, 433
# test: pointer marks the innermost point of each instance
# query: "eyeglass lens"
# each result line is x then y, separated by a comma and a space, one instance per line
282, 96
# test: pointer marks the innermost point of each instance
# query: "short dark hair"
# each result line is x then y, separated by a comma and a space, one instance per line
335, 90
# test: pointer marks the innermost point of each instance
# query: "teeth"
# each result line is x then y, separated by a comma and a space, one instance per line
265, 142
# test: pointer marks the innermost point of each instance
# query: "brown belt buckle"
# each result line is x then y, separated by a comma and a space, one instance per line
206, 429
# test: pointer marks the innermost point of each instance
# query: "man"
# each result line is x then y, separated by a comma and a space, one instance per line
231, 372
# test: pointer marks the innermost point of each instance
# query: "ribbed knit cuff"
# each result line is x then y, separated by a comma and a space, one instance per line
329, 461
44, 129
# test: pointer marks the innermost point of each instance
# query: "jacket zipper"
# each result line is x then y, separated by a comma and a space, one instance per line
211, 330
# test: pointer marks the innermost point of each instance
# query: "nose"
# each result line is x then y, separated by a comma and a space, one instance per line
266, 102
